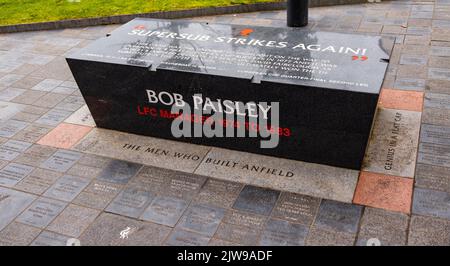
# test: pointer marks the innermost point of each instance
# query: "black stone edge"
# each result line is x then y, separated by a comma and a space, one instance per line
207, 11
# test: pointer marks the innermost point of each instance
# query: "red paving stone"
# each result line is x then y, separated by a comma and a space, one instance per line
384, 191
403, 100
64, 135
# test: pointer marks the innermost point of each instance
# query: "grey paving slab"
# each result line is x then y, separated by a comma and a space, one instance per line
114, 230
35, 155
67, 188
84, 171
392, 147
9, 79
296, 208
12, 173
50, 100
390, 228
12, 203
431, 203
439, 73
73, 220
286, 175
437, 100
246, 219
131, 202
10, 93
186, 238
428, 231
94, 160
71, 103
42, 212
202, 219
38, 181
47, 238
17, 234
53, 117
61, 161
435, 134
432, 177
337, 216
26, 117
144, 150
219, 193
165, 210
320, 237
47, 85
10, 127
98, 194
238, 234
28, 97
436, 116
257, 200
12, 148
119, 172
283, 233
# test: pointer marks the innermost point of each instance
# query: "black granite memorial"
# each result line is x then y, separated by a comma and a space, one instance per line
327, 84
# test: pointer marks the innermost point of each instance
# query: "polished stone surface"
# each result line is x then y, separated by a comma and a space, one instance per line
326, 73
26, 60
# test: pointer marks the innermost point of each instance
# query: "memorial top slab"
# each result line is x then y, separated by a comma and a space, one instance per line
282, 55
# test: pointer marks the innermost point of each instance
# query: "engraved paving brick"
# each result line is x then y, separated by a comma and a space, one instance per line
98, 194
119, 172
437, 100
12, 203
435, 134
35, 155
432, 177
12, 148
42, 212
436, 116
53, 117
131, 202
11, 127
165, 210
67, 188
202, 219
283, 233
47, 238
431, 203
13, 173
393, 145
398, 99
238, 234
61, 160
32, 133
17, 234
296, 208
337, 216
84, 170
257, 200
388, 227
186, 238
73, 220
320, 237
429, 231
38, 181
218, 193
114, 230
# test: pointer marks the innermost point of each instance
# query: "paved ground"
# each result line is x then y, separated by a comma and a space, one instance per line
60, 177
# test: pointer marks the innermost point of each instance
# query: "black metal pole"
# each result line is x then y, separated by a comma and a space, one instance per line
297, 13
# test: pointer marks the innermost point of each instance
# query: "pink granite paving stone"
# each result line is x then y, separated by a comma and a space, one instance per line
64, 136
